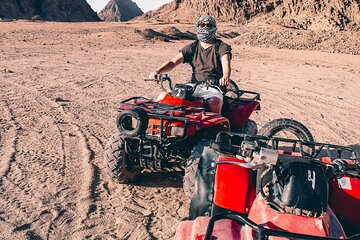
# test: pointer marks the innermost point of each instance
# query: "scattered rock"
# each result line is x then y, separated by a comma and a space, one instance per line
176, 34
152, 34
6, 70
36, 18
165, 34
59, 99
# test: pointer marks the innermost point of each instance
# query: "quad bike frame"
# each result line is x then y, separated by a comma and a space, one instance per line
158, 147
172, 125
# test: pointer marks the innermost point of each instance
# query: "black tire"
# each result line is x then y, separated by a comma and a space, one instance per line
115, 161
250, 128
199, 179
124, 122
276, 126
191, 168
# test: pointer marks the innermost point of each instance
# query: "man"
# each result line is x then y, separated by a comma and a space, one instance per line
209, 58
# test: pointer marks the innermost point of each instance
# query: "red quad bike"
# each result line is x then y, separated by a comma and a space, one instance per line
160, 135
274, 188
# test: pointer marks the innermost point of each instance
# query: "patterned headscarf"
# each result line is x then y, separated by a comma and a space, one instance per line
207, 33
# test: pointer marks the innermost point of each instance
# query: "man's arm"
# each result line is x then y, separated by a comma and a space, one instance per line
168, 66
226, 67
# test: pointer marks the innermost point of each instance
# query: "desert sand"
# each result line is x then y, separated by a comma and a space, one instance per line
60, 84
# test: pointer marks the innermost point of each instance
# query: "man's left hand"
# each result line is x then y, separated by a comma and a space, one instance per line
224, 81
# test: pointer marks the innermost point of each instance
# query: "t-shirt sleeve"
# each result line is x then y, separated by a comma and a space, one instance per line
224, 49
187, 52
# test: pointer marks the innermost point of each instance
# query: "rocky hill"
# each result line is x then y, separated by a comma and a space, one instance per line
51, 10
302, 14
120, 10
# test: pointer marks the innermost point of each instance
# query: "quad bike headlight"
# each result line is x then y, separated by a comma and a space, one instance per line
177, 131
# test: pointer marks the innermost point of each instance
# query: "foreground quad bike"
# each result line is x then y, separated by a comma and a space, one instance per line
160, 135
308, 196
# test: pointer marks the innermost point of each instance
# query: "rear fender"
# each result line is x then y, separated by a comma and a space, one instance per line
345, 201
208, 132
234, 187
201, 202
239, 111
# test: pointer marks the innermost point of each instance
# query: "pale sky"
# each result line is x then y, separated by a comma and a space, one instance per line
145, 5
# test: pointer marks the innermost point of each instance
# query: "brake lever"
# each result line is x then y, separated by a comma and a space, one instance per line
151, 80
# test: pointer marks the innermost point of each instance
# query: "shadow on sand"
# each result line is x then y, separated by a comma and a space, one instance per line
160, 179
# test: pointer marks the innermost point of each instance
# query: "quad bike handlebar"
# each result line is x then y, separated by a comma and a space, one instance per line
232, 87
161, 78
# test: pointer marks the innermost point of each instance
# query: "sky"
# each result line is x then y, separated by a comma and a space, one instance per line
145, 5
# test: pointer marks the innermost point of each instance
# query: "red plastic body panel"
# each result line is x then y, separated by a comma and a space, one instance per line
345, 201
166, 98
197, 122
196, 230
239, 111
234, 187
326, 225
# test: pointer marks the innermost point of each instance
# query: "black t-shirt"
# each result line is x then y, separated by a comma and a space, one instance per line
205, 63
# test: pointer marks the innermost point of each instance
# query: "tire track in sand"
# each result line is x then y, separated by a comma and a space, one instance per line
9, 139
75, 146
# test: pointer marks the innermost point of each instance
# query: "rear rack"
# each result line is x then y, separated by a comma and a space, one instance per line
242, 92
230, 142
162, 112
263, 233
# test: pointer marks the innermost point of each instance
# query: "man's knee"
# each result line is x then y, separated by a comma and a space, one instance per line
214, 104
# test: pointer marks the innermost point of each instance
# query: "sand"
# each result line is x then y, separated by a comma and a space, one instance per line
60, 84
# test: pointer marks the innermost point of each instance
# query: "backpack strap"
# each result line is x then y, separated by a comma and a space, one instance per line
217, 47
194, 49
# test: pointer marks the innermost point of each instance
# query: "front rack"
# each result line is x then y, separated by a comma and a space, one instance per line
158, 108
262, 232
166, 113
230, 142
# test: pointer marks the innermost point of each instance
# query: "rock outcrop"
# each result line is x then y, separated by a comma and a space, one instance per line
302, 14
120, 11
51, 10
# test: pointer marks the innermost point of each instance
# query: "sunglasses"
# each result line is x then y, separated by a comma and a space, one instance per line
202, 25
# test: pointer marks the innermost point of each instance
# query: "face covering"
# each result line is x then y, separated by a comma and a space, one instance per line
206, 29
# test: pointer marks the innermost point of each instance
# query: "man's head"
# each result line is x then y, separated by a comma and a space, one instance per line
206, 28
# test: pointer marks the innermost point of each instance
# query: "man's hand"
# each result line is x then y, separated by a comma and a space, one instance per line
224, 81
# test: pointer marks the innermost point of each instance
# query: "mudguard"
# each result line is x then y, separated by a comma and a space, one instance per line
201, 202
